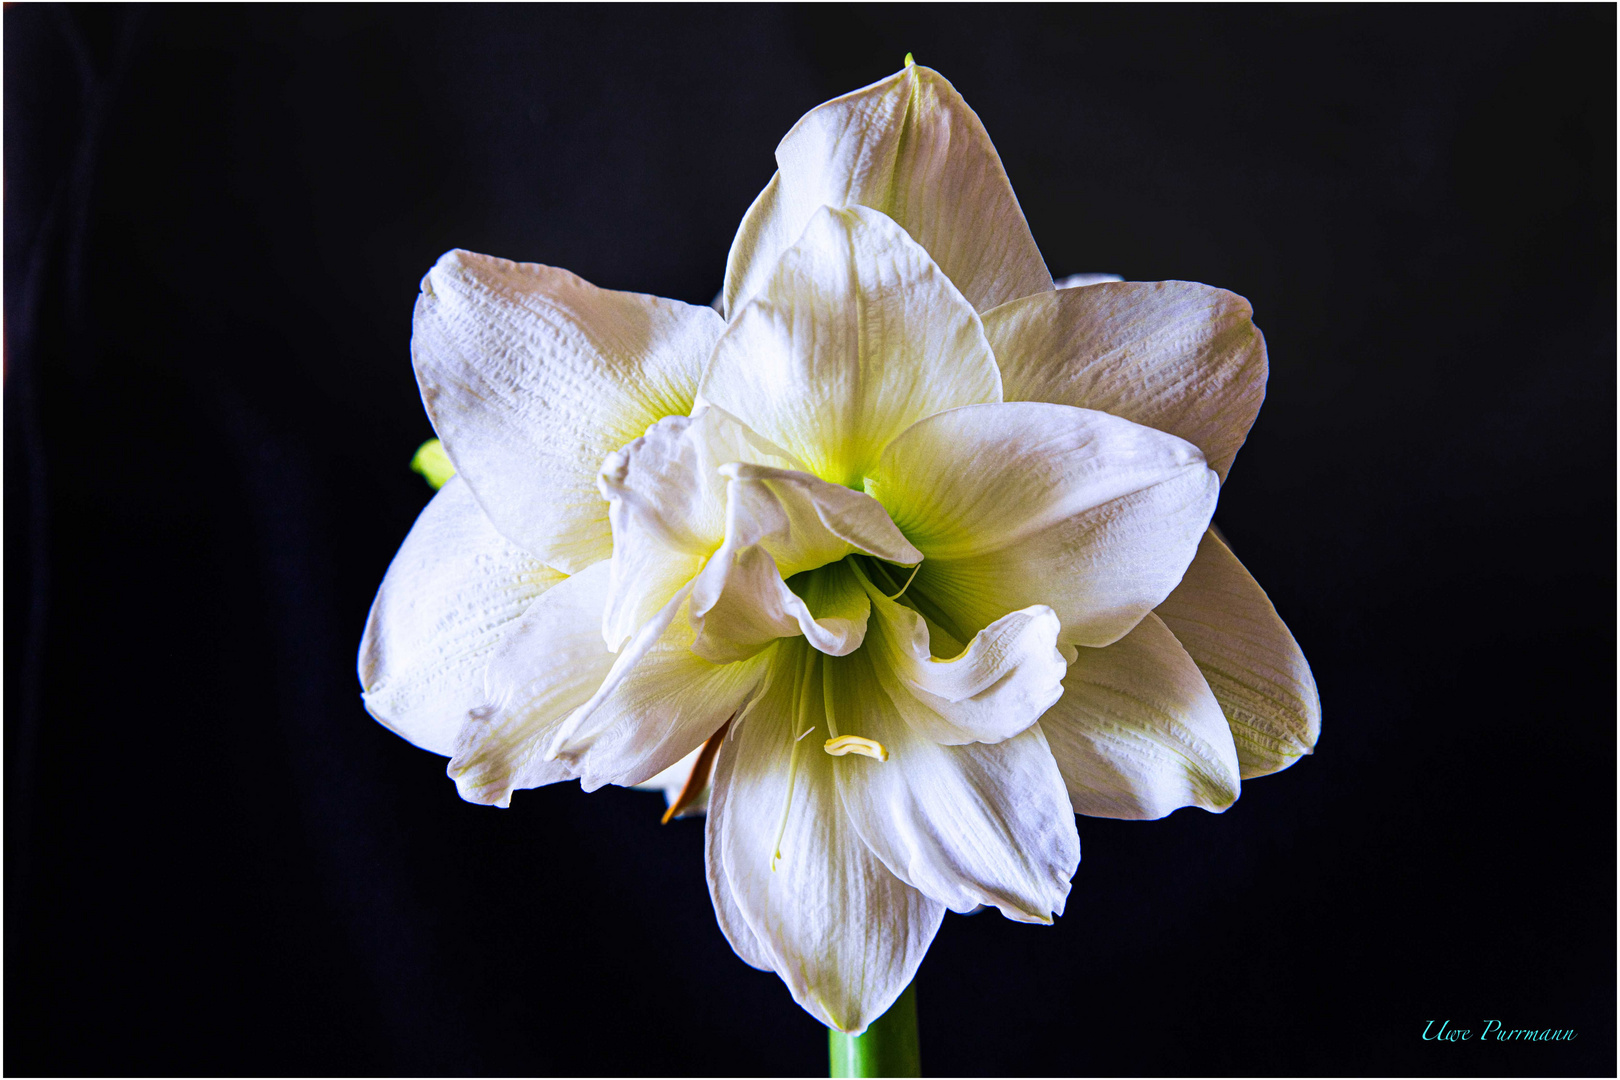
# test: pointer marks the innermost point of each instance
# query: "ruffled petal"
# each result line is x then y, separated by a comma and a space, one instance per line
910, 147
531, 376
966, 825
996, 687
546, 666
1174, 355
1138, 734
855, 335
844, 933
780, 523
453, 589
659, 703
666, 499
1028, 503
1226, 623
747, 606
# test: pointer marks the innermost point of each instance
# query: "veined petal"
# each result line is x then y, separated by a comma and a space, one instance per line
453, 589
666, 498
780, 523
910, 147
547, 665
659, 703
855, 335
1226, 623
1029, 503
996, 687
1137, 732
744, 942
1174, 355
966, 825
531, 376
844, 933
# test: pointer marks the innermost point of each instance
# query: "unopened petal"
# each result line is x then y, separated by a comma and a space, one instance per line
532, 375
1137, 733
1228, 626
910, 147
855, 335
455, 586
1174, 355
1025, 503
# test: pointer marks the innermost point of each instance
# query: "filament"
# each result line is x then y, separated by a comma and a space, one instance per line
801, 693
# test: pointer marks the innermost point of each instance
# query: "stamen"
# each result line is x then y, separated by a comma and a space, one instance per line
802, 693
907, 585
856, 744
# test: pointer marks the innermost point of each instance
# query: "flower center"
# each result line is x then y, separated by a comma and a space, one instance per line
812, 696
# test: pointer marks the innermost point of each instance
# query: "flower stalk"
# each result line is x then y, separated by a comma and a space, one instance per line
888, 1048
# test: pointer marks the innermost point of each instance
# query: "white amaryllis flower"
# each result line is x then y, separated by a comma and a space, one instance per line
912, 545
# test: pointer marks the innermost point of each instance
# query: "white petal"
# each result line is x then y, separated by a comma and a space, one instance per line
1174, 355
666, 499
548, 664
855, 335
531, 376
991, 690
451, 591
1138, 734
1028, 503
780, 523
910, 147
966, 825
660, 702
805, 522
844, 933
744, 942
1226, 623
741, 604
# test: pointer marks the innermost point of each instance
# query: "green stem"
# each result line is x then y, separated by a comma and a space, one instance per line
889, 1047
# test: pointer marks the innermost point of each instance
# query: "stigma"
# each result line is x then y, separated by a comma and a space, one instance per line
856, 744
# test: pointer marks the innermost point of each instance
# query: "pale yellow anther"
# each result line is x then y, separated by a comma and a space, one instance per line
856, 744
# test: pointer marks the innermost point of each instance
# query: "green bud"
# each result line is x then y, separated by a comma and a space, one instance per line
433, 463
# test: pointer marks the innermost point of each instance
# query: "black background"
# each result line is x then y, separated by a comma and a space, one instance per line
215, 225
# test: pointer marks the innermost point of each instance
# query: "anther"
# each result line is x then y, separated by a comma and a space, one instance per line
856, 744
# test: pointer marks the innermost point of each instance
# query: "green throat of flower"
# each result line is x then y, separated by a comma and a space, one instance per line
814, 693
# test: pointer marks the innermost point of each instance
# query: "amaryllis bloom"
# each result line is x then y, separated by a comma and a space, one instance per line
908, 553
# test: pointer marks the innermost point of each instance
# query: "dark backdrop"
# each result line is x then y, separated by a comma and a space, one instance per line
215, 224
